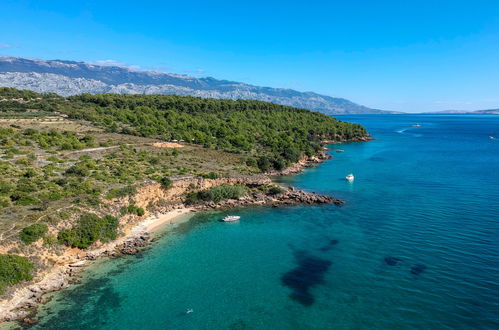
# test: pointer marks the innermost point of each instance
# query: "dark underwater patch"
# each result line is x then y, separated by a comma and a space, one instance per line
85, 305
309, 272
418, 269
392, 261
238, 325
329, 245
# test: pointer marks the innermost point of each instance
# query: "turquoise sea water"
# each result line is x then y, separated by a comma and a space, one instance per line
415, 246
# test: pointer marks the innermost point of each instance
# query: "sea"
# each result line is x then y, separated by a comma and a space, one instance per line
415, 246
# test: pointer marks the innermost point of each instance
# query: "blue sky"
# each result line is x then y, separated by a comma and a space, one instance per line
399, 55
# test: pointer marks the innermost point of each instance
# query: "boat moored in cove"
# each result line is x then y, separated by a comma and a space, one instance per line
231, 218
350, 177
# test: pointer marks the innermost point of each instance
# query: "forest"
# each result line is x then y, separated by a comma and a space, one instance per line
256, 128
272, 136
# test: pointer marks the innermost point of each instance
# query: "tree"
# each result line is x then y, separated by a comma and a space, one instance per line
166, 182
33, 232
263, 164
14, 269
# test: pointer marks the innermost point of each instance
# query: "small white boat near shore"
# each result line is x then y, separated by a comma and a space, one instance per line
231, 218
350, 177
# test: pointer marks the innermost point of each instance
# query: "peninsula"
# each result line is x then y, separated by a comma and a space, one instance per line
91, 175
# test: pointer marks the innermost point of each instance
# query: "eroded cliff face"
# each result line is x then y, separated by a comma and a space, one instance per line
154, 192
154, 199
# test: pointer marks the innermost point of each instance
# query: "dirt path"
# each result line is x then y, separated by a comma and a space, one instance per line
154, 144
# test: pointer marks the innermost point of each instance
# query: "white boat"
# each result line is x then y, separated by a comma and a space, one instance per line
492, 137
349, 177
416, 125
231, 218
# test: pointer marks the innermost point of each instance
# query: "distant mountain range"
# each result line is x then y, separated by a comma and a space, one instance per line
70, 78
476, 112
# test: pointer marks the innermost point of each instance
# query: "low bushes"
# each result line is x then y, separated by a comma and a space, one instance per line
89, 229
121, 192
275, 190
14, 269
33, 233
211, 175
166, 182
132, 209
217, 194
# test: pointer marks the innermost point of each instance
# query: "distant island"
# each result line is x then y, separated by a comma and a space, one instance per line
70, 78
90, 175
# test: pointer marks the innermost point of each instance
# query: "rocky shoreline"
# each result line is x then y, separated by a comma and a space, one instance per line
21, 306
304, 163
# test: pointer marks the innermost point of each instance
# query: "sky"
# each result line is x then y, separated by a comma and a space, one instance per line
410, 56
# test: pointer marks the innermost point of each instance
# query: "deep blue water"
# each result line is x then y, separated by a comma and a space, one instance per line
415, 246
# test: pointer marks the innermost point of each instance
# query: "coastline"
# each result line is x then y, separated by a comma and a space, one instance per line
154, 223
23, 302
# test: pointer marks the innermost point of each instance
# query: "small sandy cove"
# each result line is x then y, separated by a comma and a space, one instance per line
56, 278
153, 222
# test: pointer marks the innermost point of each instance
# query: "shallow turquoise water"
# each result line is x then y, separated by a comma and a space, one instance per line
415, 246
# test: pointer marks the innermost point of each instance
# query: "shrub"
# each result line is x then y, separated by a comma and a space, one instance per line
49, 240
4, 202
89, 229
55, 159
211, 175
217, 194
263, 164
29, 173
132, 209
166, 182
291, 155
279, 163
33, 232
26, 200
64, 215
121, 192
251, 162
275, 190
14, 269
5, 187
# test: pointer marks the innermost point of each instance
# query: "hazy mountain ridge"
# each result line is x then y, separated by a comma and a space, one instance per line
480, 112
70, 78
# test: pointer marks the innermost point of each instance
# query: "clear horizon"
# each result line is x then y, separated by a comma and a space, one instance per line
391, 56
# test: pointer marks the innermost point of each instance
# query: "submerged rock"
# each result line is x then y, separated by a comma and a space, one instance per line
392, 261
329, 245
418, 269
309, 272
30, 321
